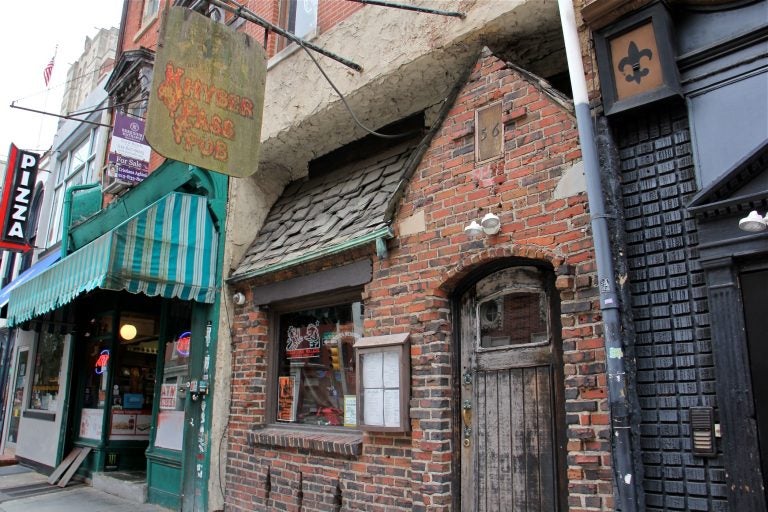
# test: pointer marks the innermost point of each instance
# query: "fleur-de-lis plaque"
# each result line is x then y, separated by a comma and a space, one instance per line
632, 61
636, 60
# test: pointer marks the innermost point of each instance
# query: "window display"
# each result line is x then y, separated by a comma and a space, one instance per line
317, 365
45, 376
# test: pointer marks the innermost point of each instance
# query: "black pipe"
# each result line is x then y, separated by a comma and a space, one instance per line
249, 15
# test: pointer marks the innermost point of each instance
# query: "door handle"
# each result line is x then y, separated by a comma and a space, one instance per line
466, 413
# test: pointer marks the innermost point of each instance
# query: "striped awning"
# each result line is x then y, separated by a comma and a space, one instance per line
168, 249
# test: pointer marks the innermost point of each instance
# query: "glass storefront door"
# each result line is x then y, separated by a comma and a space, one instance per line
17, 398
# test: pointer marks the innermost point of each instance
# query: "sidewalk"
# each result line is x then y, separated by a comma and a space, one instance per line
24, 490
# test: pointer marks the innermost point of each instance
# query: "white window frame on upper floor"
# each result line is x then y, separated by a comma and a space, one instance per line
293, 11
73, 167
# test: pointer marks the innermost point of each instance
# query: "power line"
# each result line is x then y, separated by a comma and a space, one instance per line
62, 84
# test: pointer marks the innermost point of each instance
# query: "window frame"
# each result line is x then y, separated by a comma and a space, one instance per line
34, 367
284, 19
148, 17
65, 176
333, 298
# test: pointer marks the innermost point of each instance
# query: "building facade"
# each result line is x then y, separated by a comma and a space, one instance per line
37, 360
684, 153
357, 252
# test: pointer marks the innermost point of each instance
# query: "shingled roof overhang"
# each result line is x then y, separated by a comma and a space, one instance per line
328, 214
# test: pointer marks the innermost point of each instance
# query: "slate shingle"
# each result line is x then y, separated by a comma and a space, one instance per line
325, 211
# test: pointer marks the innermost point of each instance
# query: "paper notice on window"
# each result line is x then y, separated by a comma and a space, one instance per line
372, 370
391, 407
391, 369
373, 407
350, 410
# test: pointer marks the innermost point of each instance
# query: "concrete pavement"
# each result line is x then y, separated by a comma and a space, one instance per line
24, 490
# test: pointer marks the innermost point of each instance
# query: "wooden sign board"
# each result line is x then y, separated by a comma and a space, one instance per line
207, 96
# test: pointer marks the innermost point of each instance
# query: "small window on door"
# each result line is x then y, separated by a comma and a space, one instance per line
515, 317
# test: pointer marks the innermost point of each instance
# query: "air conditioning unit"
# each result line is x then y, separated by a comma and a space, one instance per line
109, 182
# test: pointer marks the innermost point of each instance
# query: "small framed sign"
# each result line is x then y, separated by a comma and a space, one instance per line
383, 383
489, 133
636, 60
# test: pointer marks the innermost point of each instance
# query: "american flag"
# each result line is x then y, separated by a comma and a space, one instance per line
47, 71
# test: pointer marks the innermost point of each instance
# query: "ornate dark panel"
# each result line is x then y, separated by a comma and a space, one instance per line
669, 305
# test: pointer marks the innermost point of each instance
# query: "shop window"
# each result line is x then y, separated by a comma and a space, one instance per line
299, 17
316, 377
94, 398
45, 376
133, 382
175, 374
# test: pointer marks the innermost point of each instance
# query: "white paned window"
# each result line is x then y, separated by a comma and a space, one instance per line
74, 167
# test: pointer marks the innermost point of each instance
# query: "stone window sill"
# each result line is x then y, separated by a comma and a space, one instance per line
339, 443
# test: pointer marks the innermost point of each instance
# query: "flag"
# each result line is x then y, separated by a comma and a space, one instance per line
48, 70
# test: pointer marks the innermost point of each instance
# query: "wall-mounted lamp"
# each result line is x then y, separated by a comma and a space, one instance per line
238, 298
128, 331
754, 222
490, 225
474, 229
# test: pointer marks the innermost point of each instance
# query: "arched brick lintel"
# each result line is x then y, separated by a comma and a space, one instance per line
475, 260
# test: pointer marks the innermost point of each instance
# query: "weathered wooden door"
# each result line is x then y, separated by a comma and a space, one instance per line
511, 379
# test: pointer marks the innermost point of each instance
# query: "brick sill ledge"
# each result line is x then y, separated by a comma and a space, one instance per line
339, 443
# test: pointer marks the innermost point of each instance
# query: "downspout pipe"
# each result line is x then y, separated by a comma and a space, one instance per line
66, 214
618, 399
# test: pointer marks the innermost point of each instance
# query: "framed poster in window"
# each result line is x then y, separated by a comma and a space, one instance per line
383, 383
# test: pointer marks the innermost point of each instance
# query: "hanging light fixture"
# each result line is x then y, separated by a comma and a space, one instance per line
491, 223
128, 331
753, 223
474, 229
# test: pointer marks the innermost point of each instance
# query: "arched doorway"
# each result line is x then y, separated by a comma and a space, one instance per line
512, 437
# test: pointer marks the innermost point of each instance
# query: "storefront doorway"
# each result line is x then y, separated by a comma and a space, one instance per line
17, 399
130, 363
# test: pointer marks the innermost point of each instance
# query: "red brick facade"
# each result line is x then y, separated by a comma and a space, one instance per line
412, 291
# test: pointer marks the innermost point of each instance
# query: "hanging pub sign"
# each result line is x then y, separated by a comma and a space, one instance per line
207, 96
129, 153
15, 207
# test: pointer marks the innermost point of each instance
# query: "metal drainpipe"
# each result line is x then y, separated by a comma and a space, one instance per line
66, 213
609, 299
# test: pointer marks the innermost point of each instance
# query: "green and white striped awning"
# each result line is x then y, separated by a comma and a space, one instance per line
168, 249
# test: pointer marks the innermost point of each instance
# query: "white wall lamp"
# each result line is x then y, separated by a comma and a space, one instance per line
238, 298
474, 229
754, 222
490, 225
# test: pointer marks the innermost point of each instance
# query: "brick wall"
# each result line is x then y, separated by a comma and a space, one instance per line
412, 291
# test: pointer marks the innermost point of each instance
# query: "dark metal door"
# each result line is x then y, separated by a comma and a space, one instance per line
753, 289
511, 370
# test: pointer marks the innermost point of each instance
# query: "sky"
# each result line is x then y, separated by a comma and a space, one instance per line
29, 33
